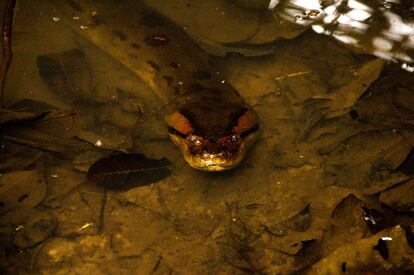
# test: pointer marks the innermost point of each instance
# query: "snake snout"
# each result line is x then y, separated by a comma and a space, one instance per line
213, 137
216, 150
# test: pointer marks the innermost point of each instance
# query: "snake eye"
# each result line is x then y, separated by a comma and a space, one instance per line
246, 123
179, 123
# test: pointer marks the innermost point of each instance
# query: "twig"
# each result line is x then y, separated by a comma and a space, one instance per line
6, 37
102, 213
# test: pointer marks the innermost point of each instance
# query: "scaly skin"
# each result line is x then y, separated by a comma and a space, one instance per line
218, 125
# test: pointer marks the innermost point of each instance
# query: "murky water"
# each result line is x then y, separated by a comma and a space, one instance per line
327, 187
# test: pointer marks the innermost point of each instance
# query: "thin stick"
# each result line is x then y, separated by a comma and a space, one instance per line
7, 51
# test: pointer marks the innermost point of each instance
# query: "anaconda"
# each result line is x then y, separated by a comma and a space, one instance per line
206, 117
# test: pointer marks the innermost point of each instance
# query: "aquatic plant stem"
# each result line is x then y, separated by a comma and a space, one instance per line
6, 39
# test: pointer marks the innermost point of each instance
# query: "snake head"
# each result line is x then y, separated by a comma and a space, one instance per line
213, 137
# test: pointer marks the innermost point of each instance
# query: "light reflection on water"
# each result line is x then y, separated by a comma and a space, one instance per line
378, 27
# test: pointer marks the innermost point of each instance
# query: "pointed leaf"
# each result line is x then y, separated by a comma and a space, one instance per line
126, 171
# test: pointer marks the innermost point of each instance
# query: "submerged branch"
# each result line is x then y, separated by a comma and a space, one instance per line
6, 44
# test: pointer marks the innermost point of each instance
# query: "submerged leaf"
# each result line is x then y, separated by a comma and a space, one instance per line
340, 101
407, 166
400, 197
45, 142
8, 117
347, 223
219, 49
21, 189
66, 73
368, 159
37, 226
126, 171
374, 219
272, 28
241, 25
387, 252
32, 105
253, 4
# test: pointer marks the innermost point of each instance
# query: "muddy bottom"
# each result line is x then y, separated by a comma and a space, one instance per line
327, 188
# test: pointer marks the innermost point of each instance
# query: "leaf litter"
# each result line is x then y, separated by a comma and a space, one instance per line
335, 146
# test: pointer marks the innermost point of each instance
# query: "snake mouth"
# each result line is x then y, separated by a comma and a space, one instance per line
214, 137
213, 157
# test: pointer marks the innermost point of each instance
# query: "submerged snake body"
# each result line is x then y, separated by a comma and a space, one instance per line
206, 117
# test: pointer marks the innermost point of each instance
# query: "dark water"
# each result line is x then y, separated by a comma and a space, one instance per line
327, 188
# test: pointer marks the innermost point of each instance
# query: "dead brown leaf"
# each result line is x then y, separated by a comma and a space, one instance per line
21, 189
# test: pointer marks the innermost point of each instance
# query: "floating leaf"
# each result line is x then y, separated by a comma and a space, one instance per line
126, 171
